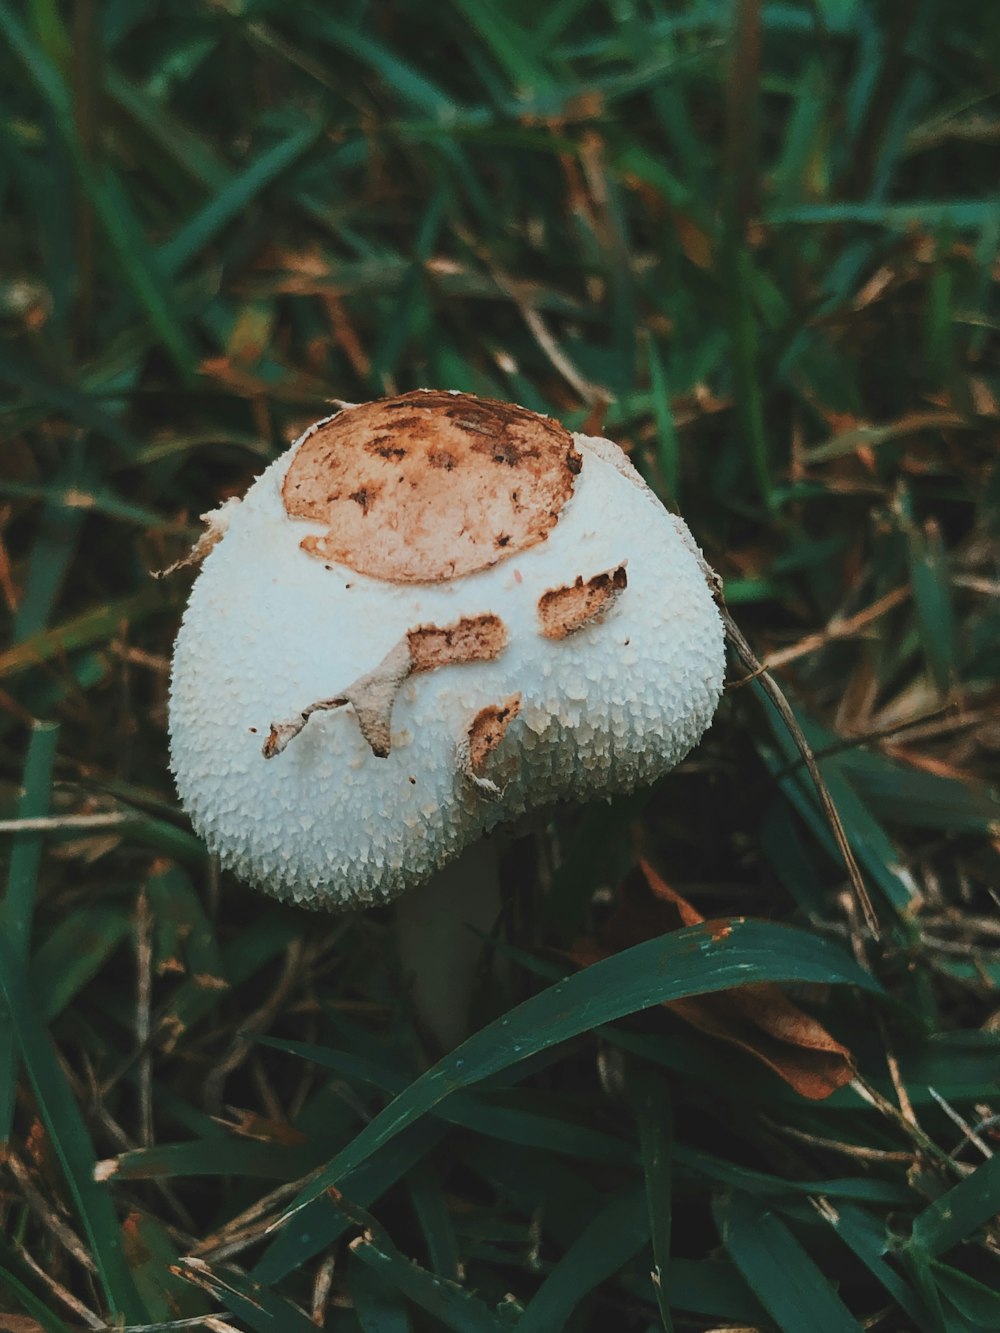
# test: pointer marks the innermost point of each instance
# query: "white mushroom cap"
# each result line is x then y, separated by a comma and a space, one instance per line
580, 656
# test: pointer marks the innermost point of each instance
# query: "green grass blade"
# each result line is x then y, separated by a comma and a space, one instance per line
80, 631
777, 1269
233, 198
53, 551
975, 1301
610, 1240
668, 451
929, 575
379, 1308
451, 1305
868, 1238
431, 1208
960, 1212
110, 202
19, 901
482, 1113
73, 952
405, 80
510, 46
322, 1222
262, 1310
68, 1135
693, 961
713, 1289
45, 1319
651, 1105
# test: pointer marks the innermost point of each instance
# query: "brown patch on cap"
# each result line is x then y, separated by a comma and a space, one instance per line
565, 610
472, 639
428, 486
487, 730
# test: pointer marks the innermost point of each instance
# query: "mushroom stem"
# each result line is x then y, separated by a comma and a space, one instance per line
439, 929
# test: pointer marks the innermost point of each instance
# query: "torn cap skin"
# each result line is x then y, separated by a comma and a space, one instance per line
432, 614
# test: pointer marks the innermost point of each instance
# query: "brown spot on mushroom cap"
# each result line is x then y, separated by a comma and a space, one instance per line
472, 639
435, 470
488, 729
565, 610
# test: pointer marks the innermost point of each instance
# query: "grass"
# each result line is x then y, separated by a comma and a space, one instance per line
758, 243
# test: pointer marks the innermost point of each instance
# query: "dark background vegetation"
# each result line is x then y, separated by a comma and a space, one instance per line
759, 243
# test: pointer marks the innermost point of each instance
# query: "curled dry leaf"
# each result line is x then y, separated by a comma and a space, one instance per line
759, 1018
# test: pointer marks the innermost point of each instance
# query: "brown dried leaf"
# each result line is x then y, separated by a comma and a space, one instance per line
759, 1018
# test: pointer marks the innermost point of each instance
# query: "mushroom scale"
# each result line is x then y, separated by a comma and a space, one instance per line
270, 629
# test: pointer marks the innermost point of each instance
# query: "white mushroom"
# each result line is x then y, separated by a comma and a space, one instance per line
432, 614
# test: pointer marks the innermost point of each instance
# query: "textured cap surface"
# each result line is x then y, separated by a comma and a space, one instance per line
586, 663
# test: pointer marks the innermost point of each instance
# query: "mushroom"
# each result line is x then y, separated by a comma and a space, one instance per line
432, 614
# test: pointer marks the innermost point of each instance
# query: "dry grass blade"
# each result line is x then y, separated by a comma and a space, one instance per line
750, 660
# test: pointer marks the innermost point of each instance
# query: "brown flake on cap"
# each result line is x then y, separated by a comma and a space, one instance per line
428, 486
565, 610
487, 730
471, 639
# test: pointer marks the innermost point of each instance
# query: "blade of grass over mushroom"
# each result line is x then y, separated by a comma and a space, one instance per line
786, 1281
69, 1138
700, 959
17, 910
